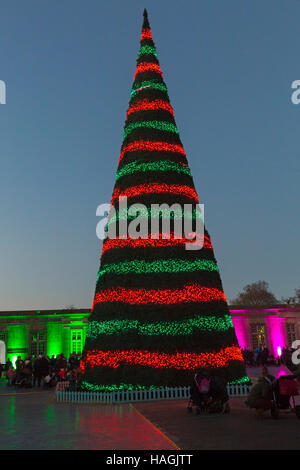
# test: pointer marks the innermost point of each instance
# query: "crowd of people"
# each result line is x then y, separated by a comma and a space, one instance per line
273, 394
42, 371
262, 357
260, 396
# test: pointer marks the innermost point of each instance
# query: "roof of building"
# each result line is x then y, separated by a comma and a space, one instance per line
47, 313
282, 308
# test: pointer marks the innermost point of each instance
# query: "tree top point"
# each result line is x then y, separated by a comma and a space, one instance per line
146, 22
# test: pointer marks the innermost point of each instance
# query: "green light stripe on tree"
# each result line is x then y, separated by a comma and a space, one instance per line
149, 84
160, 165
243, 380
159, 125
120, 387
173, 328
154, 213
158, 266
147, 50
115, 387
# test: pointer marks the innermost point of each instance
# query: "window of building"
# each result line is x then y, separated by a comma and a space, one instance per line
37, 342
291, 333
3, 336
76, 341
258, 332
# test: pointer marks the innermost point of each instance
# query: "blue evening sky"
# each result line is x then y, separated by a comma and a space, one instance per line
68, 67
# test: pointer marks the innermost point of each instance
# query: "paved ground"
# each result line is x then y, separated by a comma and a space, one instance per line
33, 420
237, 431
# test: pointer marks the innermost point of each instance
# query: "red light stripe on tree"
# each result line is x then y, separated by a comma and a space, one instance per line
147, 105
189, 293
160, 360
147, 67
112, 243
155, 188
145, 145
146, 34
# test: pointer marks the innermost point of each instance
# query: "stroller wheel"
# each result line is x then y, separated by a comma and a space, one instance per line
275, 412
190, 409
297, 410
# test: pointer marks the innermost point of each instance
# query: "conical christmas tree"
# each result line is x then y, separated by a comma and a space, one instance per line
159, 310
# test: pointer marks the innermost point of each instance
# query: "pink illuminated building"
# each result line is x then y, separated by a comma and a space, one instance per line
274, 328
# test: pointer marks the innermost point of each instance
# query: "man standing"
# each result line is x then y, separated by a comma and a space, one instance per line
40, 370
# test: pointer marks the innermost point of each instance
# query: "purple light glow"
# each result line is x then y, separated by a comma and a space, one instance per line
270, 310
283, 370
240, 327
276, 334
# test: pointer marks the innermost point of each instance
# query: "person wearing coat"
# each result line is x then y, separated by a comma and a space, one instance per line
260, 396
40, 370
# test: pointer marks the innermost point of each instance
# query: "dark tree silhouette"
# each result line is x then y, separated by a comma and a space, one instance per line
297, 295
257, 293
288, 300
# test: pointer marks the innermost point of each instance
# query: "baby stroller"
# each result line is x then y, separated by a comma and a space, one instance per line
50, 380
285, 388
208, 394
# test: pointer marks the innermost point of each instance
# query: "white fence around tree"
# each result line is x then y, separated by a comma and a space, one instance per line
177, 393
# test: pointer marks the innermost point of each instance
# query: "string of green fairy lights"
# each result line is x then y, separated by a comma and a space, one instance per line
158, 125
172, 328
149, 84
159, 165
129, 387
158, 266
147, 50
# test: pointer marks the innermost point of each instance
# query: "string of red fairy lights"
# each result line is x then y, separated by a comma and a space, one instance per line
170, 240
148, 145
189, 293
148, 67
155, 188
146, 34
160, 360
147, 105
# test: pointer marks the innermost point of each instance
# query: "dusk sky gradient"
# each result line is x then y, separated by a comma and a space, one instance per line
68, 66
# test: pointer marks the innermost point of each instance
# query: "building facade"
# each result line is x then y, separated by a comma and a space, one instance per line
43, 332
274, 328
24, 333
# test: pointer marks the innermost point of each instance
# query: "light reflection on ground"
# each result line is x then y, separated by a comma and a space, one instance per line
36, 421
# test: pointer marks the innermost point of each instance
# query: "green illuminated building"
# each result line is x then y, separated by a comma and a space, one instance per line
43, 332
